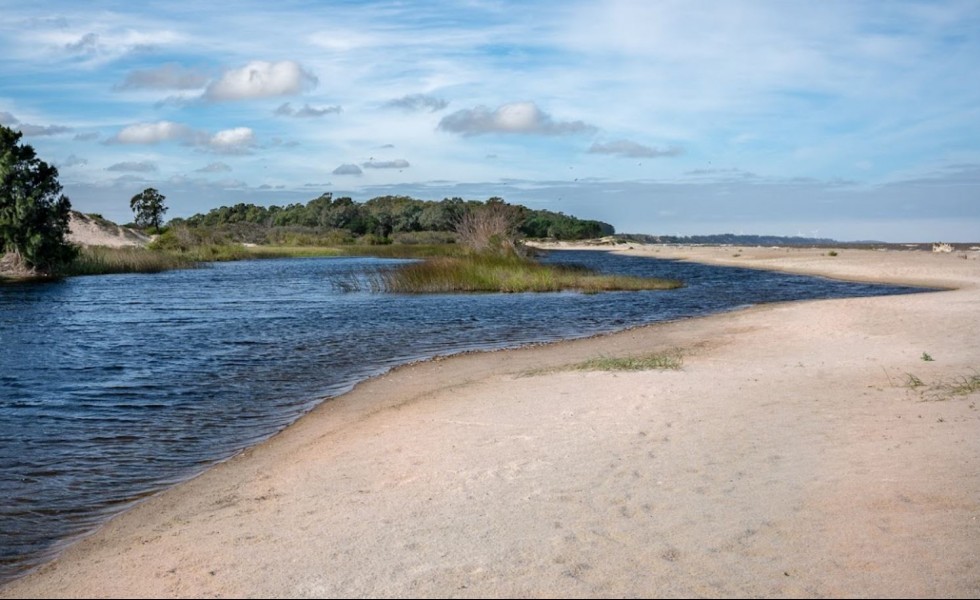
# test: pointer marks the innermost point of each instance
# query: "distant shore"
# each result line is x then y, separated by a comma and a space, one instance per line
823, 448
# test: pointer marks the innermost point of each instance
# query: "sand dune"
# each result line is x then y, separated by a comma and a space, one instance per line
788, 457
85, 230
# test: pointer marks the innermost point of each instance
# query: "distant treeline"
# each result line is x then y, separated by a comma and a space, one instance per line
401, 218
726, 238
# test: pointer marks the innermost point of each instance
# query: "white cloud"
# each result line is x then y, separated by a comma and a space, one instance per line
152, 133
400, 163
348, 169
238, 140
232, 141
261, 79
629, 149
170, 76
516, 117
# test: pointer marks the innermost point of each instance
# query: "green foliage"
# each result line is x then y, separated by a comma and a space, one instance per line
927, 357
148, 208
34, 214
383, 218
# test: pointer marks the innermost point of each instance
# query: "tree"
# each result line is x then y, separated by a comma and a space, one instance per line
148, 207
34, 214
490, 228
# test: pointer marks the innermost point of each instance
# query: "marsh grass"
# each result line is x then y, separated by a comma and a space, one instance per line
505, 273
101, 260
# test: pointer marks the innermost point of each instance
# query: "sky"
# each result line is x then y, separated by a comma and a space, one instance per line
842, 119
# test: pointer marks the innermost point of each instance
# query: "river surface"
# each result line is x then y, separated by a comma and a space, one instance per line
115, 387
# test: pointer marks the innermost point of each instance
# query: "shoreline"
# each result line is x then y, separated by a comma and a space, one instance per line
467, 476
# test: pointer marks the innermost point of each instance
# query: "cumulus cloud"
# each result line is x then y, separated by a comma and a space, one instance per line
7, 119
286, 110
134, 167
166, 77
86, 137
516, 117
630, 149
232, 141
261, 79
400, 163
215, 167
347, 169
152, 133
238, 140
418, 103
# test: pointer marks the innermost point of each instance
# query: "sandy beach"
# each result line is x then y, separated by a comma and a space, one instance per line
803, 449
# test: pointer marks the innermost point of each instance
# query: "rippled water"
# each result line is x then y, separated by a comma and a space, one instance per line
114, 387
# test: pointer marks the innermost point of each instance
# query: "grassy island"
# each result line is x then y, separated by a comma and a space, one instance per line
506, 273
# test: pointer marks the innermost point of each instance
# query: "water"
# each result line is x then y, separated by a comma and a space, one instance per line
114, 387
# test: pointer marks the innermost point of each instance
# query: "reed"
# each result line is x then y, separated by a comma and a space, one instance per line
506, 273
102, 260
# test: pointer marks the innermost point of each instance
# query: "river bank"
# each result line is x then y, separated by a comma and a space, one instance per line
790, 456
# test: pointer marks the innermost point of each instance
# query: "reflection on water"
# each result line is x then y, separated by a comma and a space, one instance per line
114, 387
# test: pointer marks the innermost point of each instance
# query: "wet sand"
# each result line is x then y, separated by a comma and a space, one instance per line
789, 456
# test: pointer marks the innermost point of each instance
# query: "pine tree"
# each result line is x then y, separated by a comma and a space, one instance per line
34, 214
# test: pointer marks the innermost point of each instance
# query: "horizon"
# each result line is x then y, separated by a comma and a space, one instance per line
840, 120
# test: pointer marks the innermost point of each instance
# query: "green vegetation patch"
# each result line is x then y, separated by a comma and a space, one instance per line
669, 360
944, 390
509, 274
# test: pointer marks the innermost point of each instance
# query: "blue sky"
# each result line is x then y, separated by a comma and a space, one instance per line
851, 120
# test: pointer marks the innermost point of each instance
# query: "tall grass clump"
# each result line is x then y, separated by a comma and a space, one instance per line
102, 260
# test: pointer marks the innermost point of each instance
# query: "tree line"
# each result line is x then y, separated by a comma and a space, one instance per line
381, 219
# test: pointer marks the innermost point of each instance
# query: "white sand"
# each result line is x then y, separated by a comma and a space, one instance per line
787, 458
86, 231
